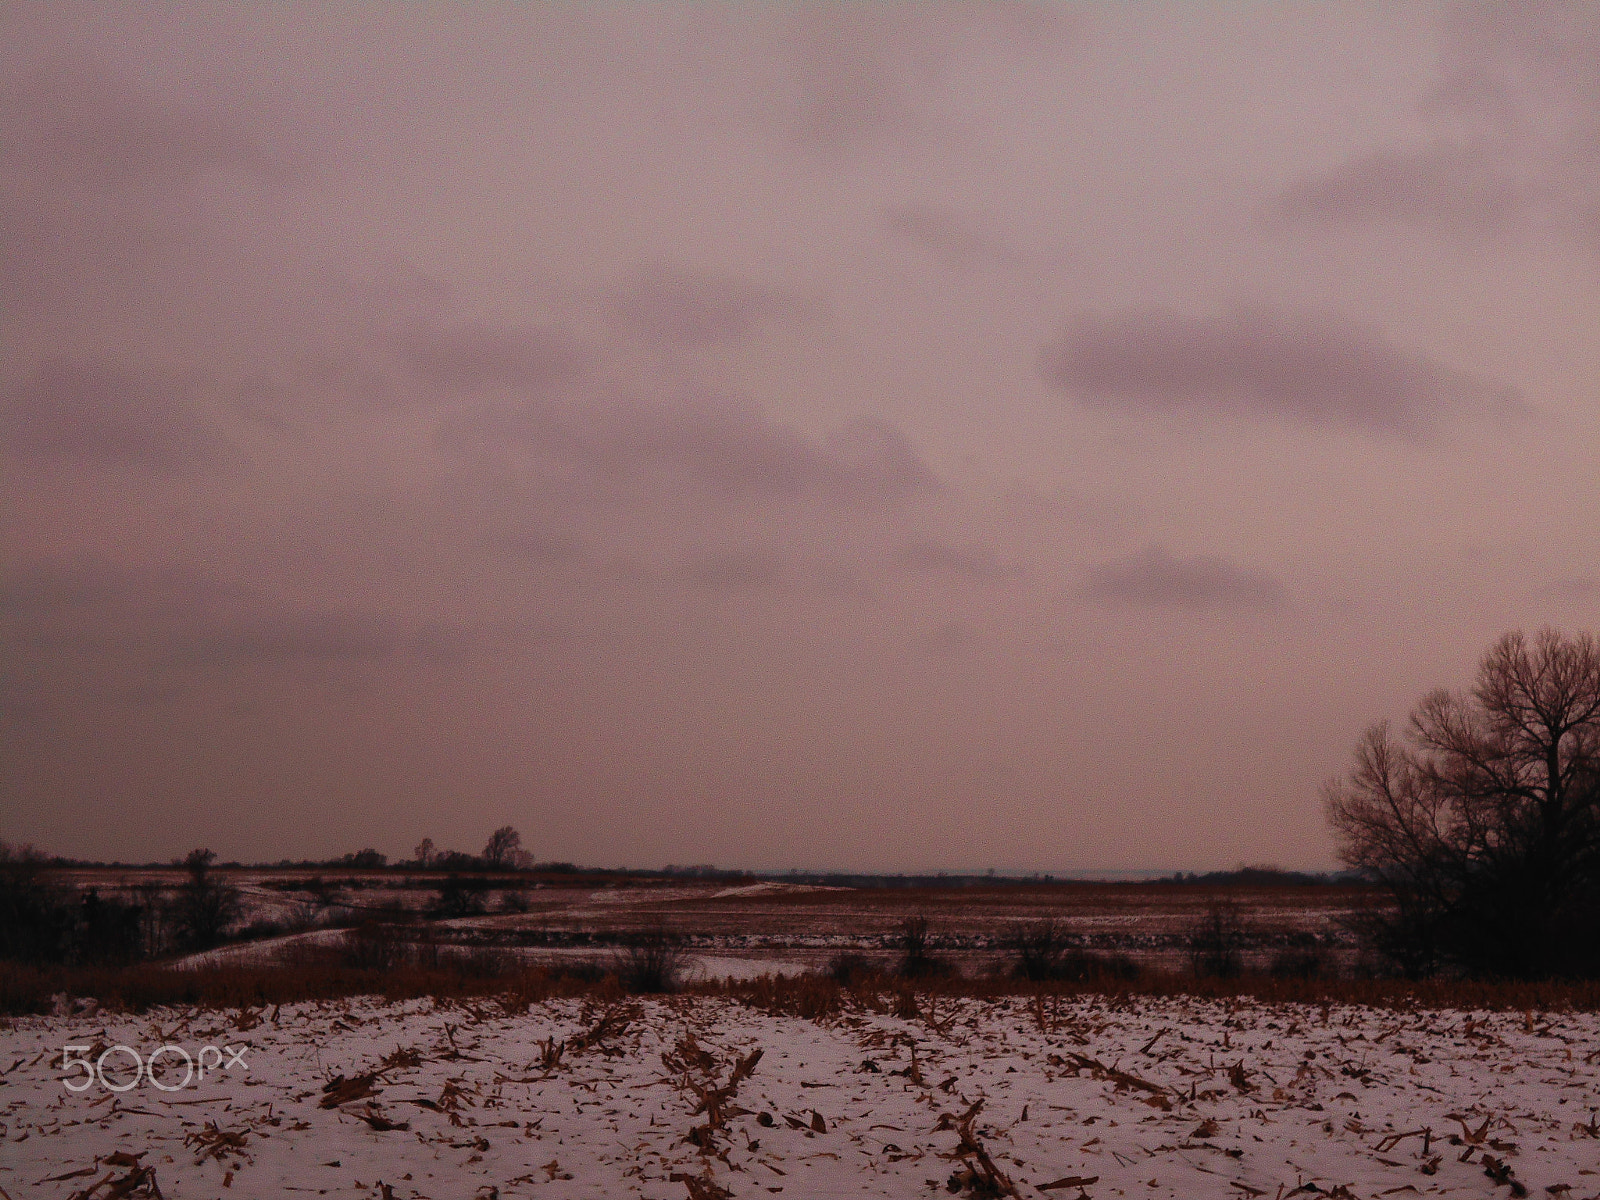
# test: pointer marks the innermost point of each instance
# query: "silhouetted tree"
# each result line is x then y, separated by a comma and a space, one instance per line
503, 844
1483, 824
206, 906
36, 914
424, 853
462, 896
1216, 941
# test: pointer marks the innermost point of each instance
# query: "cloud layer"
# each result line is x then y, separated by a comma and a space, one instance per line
716, 434
1154, 577
1309, 367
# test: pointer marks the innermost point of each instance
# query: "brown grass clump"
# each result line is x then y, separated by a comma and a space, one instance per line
25, 989
811, 997
28, 989
977, 1175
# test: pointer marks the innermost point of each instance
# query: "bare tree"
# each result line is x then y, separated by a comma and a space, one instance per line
503, 844
1483, 823
424, 853
206, 905
1216, 941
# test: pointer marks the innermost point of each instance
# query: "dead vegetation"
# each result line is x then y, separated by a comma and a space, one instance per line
1188, 1074
140, 1181
695, 1072
28, 989
977, 1175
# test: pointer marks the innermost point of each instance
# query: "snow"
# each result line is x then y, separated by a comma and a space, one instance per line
773, 887
1155, 1097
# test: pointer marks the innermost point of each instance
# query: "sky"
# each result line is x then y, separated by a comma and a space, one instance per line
859, 436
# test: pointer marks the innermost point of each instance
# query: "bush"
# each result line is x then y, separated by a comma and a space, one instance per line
849, 968
1081, 966
1216, 942
372, 946
916, 962
652, 965
462, 896
1038, 950
1306, 958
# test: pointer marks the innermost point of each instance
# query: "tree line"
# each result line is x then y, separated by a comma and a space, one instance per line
45, 921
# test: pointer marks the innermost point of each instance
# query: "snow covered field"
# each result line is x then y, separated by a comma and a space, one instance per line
705, 1097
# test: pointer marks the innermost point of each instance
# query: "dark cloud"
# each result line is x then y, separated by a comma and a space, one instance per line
1456, 187
1155, 578
539, 546
48, 588
947, 638
735, 571
1312, 367
81, 119
961, 241
934, 557
472, 358
102, 177
1575, 588
176, 616
95, 411
729, 448
866, 72
449, 644
699, 310
1517, 107
292, 637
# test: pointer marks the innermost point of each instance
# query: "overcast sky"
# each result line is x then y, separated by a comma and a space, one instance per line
883, 437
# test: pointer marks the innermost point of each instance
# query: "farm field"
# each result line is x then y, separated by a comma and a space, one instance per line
708, 1096
773, 925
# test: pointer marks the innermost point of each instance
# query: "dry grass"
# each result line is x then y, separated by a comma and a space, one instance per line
817, 997
25, 989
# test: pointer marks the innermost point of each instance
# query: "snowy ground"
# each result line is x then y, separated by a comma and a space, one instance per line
1163, 1098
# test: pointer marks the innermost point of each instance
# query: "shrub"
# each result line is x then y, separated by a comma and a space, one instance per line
1306, 958
652, 965
1038, 950
462, 896
372, 946
849, 968
915, 961
1216, 942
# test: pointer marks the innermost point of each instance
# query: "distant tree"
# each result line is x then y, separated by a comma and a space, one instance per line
1483, 824
1216, 941
462, 896
366, 858
424, 853
916, 960
206, 906
155, 918
521, 860
36, 917
108, 930
503, 843
1039, 948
